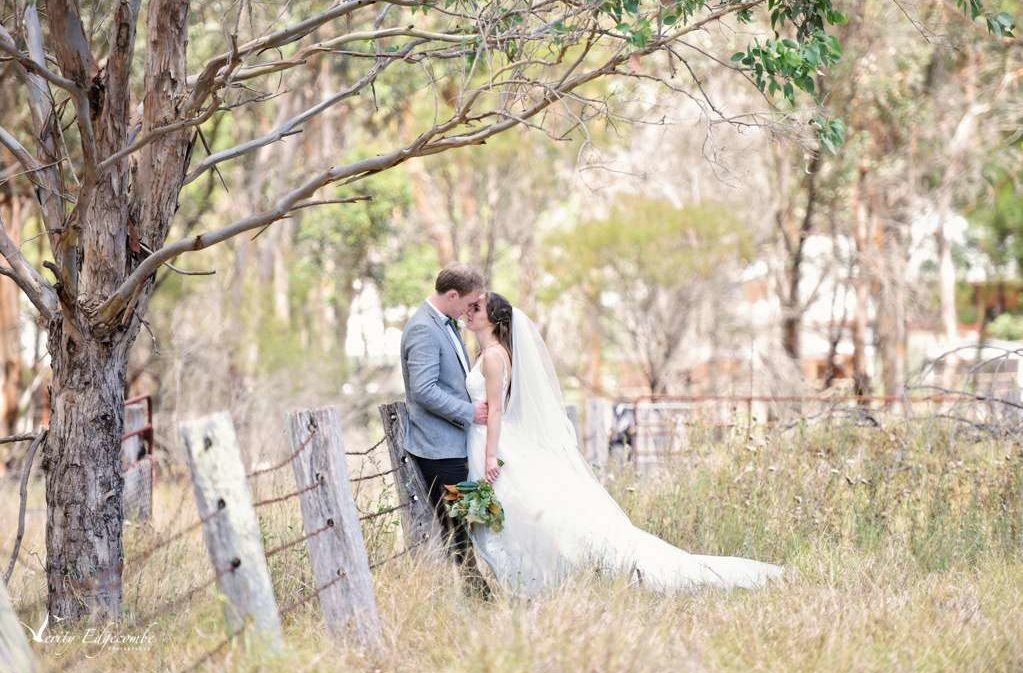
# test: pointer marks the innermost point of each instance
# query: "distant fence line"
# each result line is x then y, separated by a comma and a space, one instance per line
644, 429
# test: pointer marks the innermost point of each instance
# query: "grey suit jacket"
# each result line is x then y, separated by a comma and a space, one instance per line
439, 410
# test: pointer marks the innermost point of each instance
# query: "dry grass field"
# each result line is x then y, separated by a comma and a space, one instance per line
906, 546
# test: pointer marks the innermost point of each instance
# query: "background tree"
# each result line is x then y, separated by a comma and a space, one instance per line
656, 276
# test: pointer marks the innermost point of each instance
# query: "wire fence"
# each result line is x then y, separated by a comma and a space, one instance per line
648, 429
374, 521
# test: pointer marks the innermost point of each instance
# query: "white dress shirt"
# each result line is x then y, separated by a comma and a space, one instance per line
451, 335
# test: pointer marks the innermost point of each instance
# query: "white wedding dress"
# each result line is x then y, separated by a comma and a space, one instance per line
558, 517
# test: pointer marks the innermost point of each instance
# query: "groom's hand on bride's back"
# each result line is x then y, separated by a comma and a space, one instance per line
481, 413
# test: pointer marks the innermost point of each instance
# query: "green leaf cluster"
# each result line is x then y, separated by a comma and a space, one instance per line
830, 132
999, 24
787, 64
638, 23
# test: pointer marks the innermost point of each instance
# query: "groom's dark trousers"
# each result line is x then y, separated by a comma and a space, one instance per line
437, 472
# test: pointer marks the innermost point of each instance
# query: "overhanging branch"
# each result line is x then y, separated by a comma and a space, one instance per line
290, 126
8, 46
432, 141
208, 80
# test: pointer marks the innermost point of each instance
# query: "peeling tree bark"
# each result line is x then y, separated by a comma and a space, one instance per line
82, 461
89, 362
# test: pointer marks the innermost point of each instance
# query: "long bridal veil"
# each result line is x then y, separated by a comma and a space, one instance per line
573, 521
536, 407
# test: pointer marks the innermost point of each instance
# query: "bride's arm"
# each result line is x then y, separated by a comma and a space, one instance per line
493, 372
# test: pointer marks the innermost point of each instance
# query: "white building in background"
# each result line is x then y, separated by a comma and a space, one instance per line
369, 338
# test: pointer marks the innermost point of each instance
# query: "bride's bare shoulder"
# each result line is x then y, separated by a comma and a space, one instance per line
495, 361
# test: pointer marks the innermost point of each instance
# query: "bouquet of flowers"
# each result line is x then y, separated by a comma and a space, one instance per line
474, 502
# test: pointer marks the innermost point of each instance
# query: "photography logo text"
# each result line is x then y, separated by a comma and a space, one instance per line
97, 639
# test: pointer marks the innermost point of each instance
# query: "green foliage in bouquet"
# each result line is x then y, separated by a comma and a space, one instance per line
474, 502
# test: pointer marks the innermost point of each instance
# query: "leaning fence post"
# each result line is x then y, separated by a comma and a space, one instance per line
137, 502
337, 550
418, 522
15, 652
230, 528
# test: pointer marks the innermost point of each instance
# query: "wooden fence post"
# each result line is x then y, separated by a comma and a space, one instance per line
15, 652
597, 431
418, 522
231, 529
137, 503
337, 550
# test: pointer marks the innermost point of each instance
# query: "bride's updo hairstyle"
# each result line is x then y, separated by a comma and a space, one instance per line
499, 312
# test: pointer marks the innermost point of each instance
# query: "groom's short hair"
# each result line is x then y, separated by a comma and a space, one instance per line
460, 277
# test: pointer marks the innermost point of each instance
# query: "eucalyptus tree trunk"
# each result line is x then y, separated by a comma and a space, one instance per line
122, 209
83, 473
891, 313
946, 273
794, 233
861, 285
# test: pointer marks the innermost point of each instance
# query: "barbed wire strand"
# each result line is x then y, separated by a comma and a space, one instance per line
383, 512
301, 538
293, 605
369, 450
209, 654
397, 555
374, 476
135, 564
286, 461
155, 613
287, 496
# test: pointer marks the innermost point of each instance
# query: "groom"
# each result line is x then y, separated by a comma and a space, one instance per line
434, 363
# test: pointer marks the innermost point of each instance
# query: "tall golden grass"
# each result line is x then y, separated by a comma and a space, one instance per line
907, 547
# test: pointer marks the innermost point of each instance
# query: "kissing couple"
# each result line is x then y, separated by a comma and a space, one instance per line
501, 418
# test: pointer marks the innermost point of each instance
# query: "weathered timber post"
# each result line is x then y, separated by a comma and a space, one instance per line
137, 500
230, 527
337, 550
15, 652
418, 522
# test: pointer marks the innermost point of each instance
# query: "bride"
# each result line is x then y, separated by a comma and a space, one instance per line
558, 517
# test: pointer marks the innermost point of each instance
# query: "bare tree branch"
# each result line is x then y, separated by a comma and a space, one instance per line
75, 59
122, 42
208, 80
39, 291
23, 495
117, 73
291, 126
330, 46
176, 269
45, 124
23, 437
24, 157
159, 132
432, 141
8, 47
